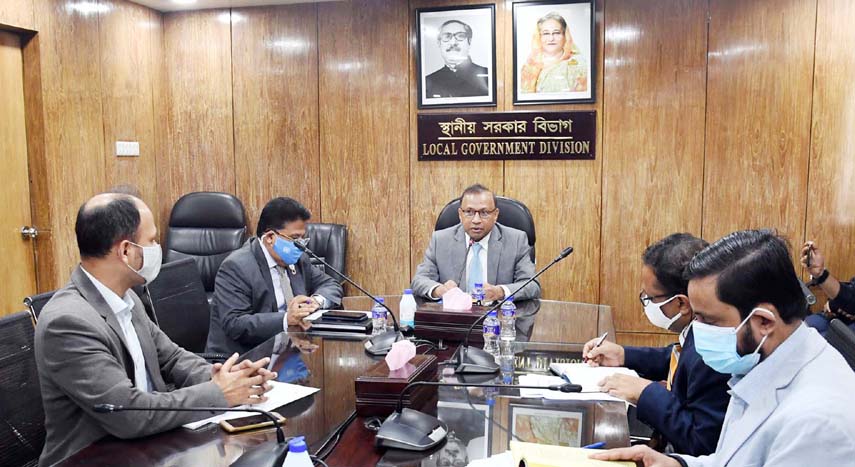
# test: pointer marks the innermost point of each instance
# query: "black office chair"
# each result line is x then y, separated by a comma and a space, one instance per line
35, 303
843, 339
512, 213
206, 226
180, 306
22, 430
329, 241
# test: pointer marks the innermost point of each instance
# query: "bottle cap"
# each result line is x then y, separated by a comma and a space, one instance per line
492, 313
478, 284
297, 444
408, 291
510, 299
380, 300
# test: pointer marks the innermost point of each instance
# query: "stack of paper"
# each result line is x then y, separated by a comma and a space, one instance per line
587, 376
282, 394
545, 380
542, 455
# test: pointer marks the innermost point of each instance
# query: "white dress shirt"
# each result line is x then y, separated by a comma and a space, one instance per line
277, 288
482, 256
122, 307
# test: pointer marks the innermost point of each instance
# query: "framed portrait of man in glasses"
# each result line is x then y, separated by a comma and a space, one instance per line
456, 56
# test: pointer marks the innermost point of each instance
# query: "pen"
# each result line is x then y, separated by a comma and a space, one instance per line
595, 445
599, 342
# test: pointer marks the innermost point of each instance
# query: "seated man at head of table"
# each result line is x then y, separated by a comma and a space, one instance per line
269, 283
791, 392
94, 343
688, 410
477, 250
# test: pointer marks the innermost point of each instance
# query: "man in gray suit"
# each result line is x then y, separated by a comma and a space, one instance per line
94, 343
478, 250
268, 284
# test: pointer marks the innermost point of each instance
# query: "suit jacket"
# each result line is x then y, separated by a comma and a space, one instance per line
244, 312
83, 360
691, 414
468, 81
508, 261
793, 409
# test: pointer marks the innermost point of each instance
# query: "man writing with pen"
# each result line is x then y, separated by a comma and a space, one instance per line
687, 409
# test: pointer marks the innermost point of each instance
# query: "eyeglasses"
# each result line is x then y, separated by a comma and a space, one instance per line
459, 36
551, 33
469, 213
647, 300
302, 241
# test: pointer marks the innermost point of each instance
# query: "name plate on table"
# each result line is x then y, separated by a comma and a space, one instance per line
507, 136
435, 322
378, 388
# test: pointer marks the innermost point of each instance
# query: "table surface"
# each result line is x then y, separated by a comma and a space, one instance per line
478, 421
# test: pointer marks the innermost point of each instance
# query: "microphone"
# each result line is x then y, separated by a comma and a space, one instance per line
262, 455
475, 360
380, 344
412, 430
809, 296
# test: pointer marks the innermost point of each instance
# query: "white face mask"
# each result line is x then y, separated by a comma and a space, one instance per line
152, 260
657, 317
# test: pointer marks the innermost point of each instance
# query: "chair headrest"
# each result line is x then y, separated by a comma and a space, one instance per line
208, 209
512, 213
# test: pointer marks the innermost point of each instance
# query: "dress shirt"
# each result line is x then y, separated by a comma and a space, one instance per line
121, 307
277, 287
482, 256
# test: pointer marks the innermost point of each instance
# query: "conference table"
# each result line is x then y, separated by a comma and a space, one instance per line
478, 418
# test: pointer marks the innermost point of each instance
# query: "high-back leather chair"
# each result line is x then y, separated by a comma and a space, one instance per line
206, 226
22, 430
36, 302
843, 339
512, 213
329, 241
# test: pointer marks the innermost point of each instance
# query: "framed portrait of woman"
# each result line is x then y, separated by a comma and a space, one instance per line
554, 52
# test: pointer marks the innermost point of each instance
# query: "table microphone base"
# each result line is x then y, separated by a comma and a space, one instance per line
411, 430
381, 344
474, 360
268, 454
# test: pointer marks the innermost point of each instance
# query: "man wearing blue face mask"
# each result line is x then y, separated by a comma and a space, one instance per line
790, 390
687, 410
268, 284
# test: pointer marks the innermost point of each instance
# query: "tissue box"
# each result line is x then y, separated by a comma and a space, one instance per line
377, 390
433, 322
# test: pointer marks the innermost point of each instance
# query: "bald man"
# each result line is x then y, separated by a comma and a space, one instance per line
95, 345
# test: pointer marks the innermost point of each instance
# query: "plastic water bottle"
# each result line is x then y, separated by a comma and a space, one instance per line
378, 318
491, 333
478, 293
408, 309
298, 454
509, 320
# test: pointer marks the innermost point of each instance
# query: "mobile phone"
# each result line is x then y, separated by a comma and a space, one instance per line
345, 315
253, 422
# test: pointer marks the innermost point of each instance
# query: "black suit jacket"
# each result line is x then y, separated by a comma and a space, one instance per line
468, 80
689, 416
244, 311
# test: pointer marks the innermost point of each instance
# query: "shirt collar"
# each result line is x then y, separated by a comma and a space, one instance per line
271, 263
753, 386
484, 242
684, 333
116, 303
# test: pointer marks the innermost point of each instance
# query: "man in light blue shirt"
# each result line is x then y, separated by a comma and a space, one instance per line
790, 390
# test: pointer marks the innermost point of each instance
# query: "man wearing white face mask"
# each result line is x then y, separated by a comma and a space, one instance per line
790, 390
94, 343
687, 411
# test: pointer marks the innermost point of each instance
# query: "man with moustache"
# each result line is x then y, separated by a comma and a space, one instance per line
459, 77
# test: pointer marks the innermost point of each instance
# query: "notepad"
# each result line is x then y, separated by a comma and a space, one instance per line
587, 376
544, 455
546, 380
282, 394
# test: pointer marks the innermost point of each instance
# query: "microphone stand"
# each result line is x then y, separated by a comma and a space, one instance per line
475, 360
261, 455
380, 344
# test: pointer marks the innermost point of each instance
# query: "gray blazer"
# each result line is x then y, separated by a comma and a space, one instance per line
508, 261
244, 312
83, 360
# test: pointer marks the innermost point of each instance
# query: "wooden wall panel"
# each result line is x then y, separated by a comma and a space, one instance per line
275, 69
831, 200
17, 13
74, 138
564, 197
363, 127
646, 339
654, 152
758, 116
433, 184
127, 74
200, 134
160, 112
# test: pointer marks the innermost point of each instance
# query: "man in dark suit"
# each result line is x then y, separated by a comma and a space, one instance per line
478, 250
94, 343
459, 77
688, 410
269, 283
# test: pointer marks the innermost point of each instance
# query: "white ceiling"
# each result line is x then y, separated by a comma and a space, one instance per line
180, 5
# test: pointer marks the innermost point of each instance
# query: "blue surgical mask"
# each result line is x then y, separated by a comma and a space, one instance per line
717, 347
287, 251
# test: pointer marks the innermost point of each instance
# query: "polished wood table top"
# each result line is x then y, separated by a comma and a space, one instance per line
478, 418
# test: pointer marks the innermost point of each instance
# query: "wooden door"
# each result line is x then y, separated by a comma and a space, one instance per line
17, 273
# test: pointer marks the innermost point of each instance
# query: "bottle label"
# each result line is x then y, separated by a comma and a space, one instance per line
509, 312
491, 329
378, 314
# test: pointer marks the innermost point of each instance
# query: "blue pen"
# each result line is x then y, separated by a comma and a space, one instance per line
595, 445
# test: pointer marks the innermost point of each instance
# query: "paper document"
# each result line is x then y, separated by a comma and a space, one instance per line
546, 380
505, 459
543, 455
282, 394
586, 376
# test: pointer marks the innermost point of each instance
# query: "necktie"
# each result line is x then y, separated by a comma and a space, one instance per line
285, 285
672, 367
475, 274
